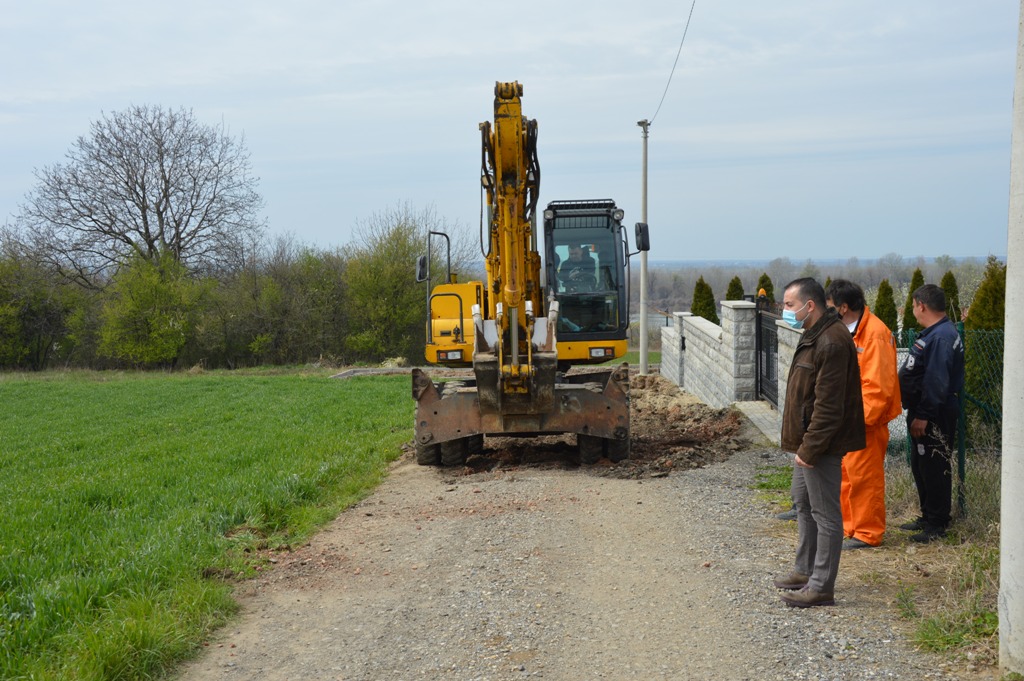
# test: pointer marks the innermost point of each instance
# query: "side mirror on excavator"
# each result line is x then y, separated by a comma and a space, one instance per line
421, 269
643, 237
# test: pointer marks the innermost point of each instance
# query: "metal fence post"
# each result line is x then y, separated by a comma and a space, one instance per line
961, 442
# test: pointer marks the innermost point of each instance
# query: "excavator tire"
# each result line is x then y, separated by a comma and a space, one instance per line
453, 452
591, 448
618, 450
428, 455
474, 444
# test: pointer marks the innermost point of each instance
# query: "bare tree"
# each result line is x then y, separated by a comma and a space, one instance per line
892, 267
146, 181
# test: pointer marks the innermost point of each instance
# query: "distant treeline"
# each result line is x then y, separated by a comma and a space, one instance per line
282, 303
671, 286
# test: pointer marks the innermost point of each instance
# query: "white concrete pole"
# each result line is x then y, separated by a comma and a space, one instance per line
645, 124
1011, 555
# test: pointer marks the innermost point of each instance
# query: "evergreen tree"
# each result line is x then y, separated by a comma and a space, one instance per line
988, 308
952, 291
983, 350
735, 290
885, 305
909, 321
703, 304
765, 282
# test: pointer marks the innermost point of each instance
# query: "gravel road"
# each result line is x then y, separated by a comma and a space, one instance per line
558, 572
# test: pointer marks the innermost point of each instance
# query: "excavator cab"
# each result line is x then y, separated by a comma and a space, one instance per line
586, 256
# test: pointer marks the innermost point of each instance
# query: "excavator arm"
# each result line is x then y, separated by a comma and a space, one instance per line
511, 178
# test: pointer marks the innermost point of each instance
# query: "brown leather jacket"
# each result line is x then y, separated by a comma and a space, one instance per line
824, 411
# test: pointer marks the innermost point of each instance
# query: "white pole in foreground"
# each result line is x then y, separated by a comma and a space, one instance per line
1011, 553
643, 257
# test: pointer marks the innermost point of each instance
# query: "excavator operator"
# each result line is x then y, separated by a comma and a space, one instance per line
578, 273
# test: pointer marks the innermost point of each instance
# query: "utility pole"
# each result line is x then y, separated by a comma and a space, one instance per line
1011, 536
645, 125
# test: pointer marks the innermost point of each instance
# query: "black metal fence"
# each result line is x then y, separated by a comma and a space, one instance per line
767, 348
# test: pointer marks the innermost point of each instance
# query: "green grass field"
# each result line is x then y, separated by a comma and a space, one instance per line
633, 357
126, 499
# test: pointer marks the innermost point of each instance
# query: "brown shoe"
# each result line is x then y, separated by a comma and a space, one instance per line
808, 598
792, 581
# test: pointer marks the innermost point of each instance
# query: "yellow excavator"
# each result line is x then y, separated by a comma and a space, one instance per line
527, 324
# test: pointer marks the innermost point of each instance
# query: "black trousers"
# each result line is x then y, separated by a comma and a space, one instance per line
931, 462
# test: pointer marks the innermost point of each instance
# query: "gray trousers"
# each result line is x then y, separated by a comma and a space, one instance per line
819, 521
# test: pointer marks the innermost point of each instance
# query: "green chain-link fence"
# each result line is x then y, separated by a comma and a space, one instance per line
979, 433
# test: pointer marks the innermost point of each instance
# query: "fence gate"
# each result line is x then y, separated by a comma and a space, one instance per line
767, 339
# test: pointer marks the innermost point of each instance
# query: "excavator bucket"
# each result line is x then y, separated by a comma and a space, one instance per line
452, 417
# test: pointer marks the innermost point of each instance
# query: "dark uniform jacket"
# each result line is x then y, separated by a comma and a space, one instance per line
933, 375
824, 412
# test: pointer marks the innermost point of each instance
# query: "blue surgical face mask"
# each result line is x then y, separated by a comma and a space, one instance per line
789, 316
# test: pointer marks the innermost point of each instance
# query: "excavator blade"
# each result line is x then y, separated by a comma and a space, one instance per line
593, 404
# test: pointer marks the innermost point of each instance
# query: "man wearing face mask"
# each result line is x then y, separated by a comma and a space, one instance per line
822, 420
863, 491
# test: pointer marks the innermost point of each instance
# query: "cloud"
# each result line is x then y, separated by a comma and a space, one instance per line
361, 103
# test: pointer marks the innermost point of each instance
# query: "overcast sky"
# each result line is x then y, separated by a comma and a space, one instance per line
800, 129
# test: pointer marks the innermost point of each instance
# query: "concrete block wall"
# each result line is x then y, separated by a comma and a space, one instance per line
715, 363
671, 349
703, 364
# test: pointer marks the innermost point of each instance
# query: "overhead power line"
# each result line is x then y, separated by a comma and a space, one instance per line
685, 29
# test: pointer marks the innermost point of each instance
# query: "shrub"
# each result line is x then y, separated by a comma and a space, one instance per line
765, 282
988, 308
909, 320
952, 291
885, 304
703, 304
735, 290
151, 312
983, 350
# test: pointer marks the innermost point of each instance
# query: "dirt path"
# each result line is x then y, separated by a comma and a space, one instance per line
525, 565
545, 571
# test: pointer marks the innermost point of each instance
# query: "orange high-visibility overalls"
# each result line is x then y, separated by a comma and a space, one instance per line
862, 495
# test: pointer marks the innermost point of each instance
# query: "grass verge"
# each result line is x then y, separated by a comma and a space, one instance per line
126, 498
773, 483
633, 357
946, 591
957, 613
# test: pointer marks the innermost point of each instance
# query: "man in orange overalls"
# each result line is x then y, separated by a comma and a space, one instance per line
862, 496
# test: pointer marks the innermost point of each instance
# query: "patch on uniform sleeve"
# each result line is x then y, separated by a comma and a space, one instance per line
910, 362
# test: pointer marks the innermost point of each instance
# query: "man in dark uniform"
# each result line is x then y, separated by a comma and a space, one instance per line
931, 382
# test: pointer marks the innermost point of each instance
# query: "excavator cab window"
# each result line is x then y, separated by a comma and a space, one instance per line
585, 271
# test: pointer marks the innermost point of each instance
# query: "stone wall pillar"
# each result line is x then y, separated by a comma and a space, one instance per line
739, 347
